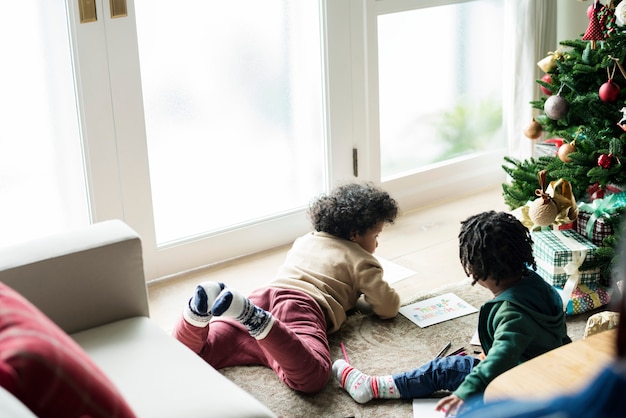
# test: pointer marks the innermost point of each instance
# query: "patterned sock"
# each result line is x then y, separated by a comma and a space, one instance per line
362, 387
231, 303
197, 310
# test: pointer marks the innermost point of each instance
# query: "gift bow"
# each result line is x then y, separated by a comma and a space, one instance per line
599, 208
572, 269
560, 191
548, 63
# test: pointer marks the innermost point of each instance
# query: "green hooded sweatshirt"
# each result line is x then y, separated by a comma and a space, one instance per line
522, 322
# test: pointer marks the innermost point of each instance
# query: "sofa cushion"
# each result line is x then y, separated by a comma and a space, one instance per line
147, 364
46, 370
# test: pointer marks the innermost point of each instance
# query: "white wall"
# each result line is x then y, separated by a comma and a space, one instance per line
571, 20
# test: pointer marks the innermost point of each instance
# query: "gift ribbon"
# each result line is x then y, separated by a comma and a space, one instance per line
599, 208
573, 273
572, 269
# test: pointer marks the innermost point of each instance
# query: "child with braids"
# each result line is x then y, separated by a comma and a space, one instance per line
284, 325
523, 320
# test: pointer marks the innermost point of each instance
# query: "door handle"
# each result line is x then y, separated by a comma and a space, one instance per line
87, 11
118, 8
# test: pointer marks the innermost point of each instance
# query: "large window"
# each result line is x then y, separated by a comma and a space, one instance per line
42, 182
232, 96
440, 85
208, 126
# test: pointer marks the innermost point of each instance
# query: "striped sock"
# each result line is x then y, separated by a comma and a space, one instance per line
362, 387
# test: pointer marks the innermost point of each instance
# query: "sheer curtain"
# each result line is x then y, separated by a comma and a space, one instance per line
533, 38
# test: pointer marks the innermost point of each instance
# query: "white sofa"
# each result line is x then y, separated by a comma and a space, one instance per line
91, 283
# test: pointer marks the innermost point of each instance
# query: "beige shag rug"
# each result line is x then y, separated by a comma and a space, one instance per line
376, 347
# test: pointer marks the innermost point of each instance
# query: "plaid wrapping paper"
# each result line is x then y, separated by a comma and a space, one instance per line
594, 218
601, 228
554, 256
586, 298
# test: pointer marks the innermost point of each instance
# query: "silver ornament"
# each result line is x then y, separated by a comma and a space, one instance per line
556, 107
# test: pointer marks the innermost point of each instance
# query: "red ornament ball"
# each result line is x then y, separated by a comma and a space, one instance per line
609, 92
548, 79
605, 161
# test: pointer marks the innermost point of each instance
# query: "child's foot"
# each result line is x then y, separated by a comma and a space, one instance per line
362, 387
355, 382
197, 310
231, 303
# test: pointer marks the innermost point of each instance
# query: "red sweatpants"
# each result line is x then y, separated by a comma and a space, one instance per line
296, 347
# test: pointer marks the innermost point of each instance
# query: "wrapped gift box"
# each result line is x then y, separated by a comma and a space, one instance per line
559, 255
586, 298
598, 192
594, 218
541, 149
600, 229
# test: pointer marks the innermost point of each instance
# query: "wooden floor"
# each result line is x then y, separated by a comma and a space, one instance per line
423, 240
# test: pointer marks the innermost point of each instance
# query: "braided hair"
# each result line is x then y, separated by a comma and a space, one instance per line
495, 245
351, 209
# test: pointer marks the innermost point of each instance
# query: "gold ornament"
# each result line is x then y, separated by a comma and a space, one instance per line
565, 150
533, 130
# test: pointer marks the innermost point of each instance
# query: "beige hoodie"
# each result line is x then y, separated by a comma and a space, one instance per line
335, 272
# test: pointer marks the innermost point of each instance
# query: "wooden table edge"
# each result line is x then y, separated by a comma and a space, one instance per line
564, 370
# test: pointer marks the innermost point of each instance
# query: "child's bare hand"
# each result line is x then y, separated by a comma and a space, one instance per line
450, 405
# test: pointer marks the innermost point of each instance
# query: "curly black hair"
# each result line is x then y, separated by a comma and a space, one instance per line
495, 245
351, 209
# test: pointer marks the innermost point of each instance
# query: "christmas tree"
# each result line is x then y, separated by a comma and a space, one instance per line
583, 111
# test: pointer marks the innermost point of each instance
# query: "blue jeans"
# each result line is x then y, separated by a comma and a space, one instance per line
445, 373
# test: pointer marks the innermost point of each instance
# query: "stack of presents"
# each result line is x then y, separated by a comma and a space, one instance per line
564, 247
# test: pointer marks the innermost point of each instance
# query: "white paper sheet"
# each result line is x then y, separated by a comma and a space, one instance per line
394, 272
425, 408
475, 339
437, 309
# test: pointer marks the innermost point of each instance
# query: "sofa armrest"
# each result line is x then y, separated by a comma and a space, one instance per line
81, 279
12, 407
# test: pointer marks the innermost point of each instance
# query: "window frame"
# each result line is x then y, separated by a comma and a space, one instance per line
110, 104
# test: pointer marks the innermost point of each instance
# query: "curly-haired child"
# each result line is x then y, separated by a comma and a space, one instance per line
284, 325
523, 320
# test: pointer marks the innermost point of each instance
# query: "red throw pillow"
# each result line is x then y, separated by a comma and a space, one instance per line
47, 370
